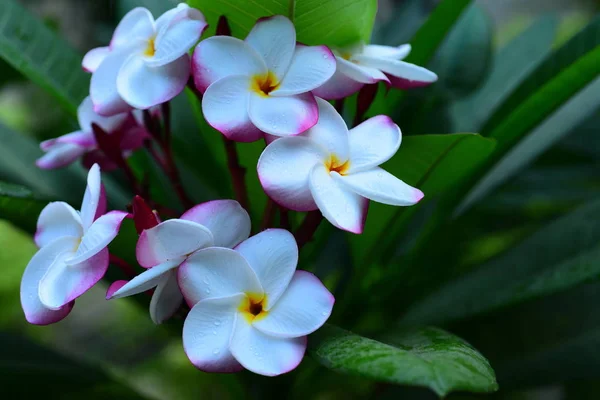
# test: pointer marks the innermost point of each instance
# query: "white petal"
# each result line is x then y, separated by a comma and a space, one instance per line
380, 186
373, 142
169, 240
225, 108
98, 236
330, 132
206, 333
103, 86
284, 169
172, 17
175, 41
94, 57
57, 220
342, 207
400, 69
303, 308
379, 51
147, 279
137, 24
60, 155
274, 38
360, 73
35, 311
263, 354
216, 272
91, 198
143, 86
311, 67
64, 283
283, 116
338, 87
273, 255
228, 222
221, 56
167, 298
86, 116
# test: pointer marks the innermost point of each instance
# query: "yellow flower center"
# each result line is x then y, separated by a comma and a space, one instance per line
264, 84
334, 164
253, 306
150, 50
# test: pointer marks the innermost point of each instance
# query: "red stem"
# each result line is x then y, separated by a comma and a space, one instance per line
309, 226
284, 218
237, 174
268, 215
123, 266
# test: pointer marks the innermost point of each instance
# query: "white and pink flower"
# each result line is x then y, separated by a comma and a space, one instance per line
73, 254
368, 64
250, 307
163, 248
146, 63
261, 84
336, 170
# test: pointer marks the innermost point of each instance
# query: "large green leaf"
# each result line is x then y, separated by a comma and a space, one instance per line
559, 256
19, 206
330, 22
427, 357
41, 55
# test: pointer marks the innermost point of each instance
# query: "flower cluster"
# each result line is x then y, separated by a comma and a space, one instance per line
247, 305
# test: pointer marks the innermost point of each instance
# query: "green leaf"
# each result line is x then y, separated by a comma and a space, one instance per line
19, 206
156, 7
427, 357
41, 55
329, 22
559, 256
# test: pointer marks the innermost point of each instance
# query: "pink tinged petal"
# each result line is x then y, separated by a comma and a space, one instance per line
175, 41
171, 240
225, 108
303, 308
57, 220
103, 86
228, 222
360, 73
137, 24
379, 185
405, 84
206, 333
101, 210
116, 285
221, 56
373, 142
134, 138
338, 87
79, 138
330, 132
98, 236
311, 67
264, 354
273, 255
182, 12
274, 39
86, 117
342, 207
379, 51
91, 198
60, 155
35, 312
283, 116
143, 86
147, 279
400, 69
166, 299
64, 283
216, 272
284, 169
94, 57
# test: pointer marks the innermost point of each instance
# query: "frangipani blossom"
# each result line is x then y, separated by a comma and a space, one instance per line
73, 254
261, 84
367, 64
146, 62
164, 247
335, 170
65, 149
250, 307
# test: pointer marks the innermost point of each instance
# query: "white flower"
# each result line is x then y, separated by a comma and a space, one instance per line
336, 170
163, 248
251, 308
360, 65
262, 83
73, 254
146, 63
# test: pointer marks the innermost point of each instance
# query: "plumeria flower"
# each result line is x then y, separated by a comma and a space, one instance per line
164, 247
335, 170
65, 149
250, 307
146, 62
73, 254
360, 65
262, 83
